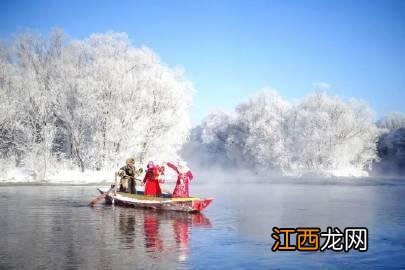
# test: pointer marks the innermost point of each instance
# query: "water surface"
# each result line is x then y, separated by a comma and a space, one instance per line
51, 227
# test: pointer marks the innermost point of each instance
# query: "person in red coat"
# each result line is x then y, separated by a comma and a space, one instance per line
152, 187
184, 177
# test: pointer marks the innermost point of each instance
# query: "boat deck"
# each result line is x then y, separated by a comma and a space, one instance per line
189, 204
153, 198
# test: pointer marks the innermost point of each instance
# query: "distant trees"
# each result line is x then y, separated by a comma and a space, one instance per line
392, 121
391, 144
321, 134
89, 102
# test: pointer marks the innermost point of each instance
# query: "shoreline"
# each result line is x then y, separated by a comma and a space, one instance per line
231, 179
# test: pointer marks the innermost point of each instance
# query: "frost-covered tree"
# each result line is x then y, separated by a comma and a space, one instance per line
263, 121
391, 144
392, 121
391, 150
321, 134
89, 103
139, 95
326, 134
219, 138
12, 137
33, 63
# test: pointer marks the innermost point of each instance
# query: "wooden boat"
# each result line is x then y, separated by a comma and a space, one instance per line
165, 202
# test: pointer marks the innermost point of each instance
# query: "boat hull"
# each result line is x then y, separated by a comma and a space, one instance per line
191, 204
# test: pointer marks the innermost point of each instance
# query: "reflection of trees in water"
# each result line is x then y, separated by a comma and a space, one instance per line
158, 231
126, 226
63, 231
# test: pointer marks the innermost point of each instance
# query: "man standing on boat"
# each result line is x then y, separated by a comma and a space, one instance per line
128, 174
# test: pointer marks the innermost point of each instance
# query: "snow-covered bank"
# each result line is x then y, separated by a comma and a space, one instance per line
63, 173
210, 176
19, 175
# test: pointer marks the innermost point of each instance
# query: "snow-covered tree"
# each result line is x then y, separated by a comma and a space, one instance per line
392, 121
321, 134
391, 151
329, 135
263, 121
391, 144
91, 103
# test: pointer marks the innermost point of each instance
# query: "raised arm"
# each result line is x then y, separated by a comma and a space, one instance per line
190, 175
171, 165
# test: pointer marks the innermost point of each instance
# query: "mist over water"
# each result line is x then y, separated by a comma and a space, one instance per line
52, 227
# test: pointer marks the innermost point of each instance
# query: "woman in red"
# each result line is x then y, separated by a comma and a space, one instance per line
152, 187
183, 179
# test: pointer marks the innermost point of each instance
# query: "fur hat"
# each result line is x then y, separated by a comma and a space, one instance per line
130, 160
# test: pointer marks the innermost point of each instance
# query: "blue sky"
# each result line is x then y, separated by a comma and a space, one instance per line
231, 49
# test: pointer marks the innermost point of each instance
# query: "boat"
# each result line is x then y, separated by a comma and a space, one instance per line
164, 202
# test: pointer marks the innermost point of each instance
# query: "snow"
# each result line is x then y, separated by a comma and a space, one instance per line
21, 175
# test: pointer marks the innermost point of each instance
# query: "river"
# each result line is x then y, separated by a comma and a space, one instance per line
51, 227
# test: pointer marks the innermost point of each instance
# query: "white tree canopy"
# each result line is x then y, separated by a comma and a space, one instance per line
392, 121
320, 134
91, 103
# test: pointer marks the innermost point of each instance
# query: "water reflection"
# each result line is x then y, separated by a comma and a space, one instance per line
50, 227
153, 241
157, 233
126, 226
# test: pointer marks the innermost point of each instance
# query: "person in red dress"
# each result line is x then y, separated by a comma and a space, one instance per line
184, 177
152, 187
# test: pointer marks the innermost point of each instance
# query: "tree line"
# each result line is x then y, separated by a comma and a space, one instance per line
318, 135
88, 103
91, 103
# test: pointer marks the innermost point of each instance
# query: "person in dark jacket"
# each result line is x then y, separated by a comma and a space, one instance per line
128, 173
